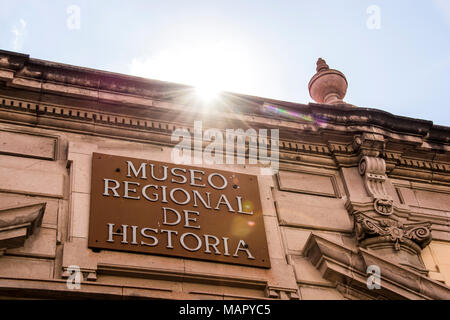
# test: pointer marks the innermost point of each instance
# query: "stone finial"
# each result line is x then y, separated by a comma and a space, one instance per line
327, 86
321, 65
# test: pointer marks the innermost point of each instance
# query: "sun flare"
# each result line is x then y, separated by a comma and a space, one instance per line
209, 67
207, 93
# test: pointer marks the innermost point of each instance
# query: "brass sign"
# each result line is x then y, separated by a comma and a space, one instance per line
175, 210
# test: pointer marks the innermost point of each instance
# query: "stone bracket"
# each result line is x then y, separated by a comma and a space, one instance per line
374, 172
369, 144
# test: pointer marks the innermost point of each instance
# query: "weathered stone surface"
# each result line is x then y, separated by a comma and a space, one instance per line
79, 218
437, 259
320, 293
306, 273
81, 170
140, 282
8, 200
82, 146
281, 274
110, 260
265, 184
31, 182
441, 250
28, 145
57, 289
308, 182
149, 293
354, 184
42, 244
21, 267
295, 238
434, 200
125, 99
227, 273
312, 211
408, 196
69, 90
273, 236
432, 267
76, 253
6, 75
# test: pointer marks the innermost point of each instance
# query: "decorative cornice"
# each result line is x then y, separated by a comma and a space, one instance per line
369, 144
136, 127
89, 80
156, 130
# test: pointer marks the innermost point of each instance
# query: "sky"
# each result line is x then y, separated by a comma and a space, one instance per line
394, 54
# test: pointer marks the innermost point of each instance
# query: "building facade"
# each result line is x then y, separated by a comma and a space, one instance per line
357, 206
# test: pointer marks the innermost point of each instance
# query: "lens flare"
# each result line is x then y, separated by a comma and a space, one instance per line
320, 121
207, 93
247, 206
239, 227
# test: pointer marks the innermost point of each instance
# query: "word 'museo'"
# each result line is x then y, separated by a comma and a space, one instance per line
134, 190
171, 209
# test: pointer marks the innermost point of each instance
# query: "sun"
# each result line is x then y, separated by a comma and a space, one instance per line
210, 67
207, 92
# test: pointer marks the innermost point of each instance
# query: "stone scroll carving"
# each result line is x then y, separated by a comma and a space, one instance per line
416, 235
374, 171
394, 240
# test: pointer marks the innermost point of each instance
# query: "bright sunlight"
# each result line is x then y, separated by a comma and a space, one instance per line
210, 68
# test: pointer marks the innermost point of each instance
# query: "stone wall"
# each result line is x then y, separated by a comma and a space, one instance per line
42, 165
336, 177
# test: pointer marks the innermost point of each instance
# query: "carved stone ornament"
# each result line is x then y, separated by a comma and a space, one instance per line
374, 172
417, 235
393, 240
327, 85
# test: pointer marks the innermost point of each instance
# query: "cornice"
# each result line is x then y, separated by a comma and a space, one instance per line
326, 153
25, 67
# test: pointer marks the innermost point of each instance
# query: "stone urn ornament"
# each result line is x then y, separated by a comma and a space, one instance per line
327, 86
